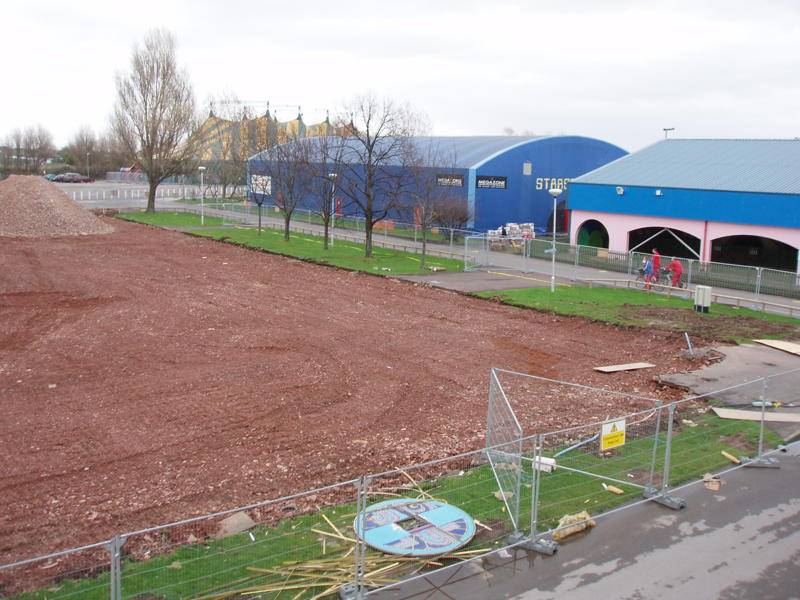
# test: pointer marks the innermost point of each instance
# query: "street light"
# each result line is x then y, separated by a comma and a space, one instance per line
202, 197
87, 164
333, 203
555, 193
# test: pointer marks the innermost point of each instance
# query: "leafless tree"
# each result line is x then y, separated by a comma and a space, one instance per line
226, 144
376, 138
289, 168
36, 147
82, 147
326, 166
452, 213
154, 115
433, 177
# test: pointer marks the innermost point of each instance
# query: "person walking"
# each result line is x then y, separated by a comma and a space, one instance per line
656, 264
676, 268
648, 272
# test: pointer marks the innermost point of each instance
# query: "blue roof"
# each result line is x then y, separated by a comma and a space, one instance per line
765, 166
460, 152
471, 150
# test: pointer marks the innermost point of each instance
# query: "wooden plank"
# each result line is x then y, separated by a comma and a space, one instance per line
755, 415
789, 347
626, 367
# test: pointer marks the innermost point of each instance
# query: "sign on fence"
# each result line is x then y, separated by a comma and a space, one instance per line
612, 435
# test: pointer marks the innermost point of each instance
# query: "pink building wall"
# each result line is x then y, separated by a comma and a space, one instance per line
619, 225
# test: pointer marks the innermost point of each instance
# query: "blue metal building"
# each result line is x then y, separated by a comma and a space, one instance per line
722, 200
504, 179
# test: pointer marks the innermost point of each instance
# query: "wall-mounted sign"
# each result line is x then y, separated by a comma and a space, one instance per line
527, 168
546, 183
492, 182
450, 179
261, 184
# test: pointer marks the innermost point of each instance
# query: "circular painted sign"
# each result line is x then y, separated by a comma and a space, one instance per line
414, 527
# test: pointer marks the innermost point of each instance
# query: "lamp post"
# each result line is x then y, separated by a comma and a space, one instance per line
555, 193
202, 197
333, 203
87, 164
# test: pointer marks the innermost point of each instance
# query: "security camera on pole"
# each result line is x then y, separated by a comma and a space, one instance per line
555, 193
202, 197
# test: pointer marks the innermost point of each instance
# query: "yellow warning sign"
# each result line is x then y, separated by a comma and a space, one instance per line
612, 434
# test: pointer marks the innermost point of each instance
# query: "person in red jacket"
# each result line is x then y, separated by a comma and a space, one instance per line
656, 262
676, 268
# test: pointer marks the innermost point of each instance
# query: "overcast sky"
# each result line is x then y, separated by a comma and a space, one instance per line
613, 69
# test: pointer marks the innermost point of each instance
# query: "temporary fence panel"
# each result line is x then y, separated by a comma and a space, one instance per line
504, 447
276, 548
435, 535
85, 573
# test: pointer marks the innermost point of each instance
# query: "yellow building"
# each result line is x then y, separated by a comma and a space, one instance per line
237, 140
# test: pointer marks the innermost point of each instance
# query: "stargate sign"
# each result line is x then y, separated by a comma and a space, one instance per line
414, 527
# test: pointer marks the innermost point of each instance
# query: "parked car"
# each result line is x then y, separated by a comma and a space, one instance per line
73, 178
50, 176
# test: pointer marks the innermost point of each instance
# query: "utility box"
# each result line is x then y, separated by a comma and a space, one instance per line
702, 298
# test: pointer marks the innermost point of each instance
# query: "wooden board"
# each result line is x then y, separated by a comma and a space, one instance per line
789, 347
627, 367
755, 415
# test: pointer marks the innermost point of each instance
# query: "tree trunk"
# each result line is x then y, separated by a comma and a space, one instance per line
151, 197
287, 219
368, 236
259, 219
325, 222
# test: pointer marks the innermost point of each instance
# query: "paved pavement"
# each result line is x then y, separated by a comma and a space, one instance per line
742, 542
479, 281
743, 363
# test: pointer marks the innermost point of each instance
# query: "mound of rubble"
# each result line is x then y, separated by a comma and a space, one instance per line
31, 206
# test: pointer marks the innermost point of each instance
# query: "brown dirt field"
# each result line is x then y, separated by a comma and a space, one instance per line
147, 375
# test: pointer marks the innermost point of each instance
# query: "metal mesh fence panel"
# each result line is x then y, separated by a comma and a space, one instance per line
265, 548
84, 573
504, 447
581, 470
780, 283
466, 482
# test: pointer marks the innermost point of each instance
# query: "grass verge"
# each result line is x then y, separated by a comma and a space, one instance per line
649, 310
346, 255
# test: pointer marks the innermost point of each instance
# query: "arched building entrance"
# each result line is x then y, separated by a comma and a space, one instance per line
755, 251
592, 233
670, 242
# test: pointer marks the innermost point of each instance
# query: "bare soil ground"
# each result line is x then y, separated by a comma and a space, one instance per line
148, 375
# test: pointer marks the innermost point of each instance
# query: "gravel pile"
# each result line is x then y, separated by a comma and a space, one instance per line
31, 206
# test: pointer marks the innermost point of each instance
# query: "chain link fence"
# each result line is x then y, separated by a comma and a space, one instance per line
482, 250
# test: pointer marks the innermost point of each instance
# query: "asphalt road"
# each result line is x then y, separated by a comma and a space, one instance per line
739, 543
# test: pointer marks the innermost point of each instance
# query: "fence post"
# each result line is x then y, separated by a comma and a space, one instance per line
630, 263
661, 496
758, 280
760, 460
655, 447
525, 256
114, 547
451, 239
577, 262
355, 590
543, 546
689, 274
